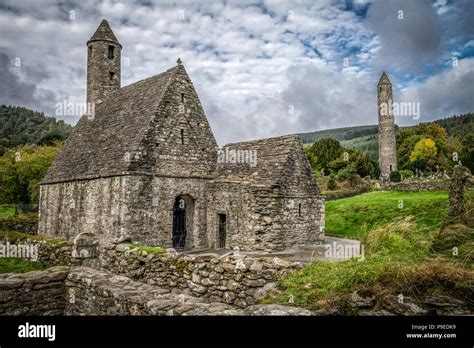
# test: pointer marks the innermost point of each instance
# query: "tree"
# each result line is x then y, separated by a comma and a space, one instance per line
467, 152
313, 161
348, 173
361, 162
408, 138
326, 150
21, 171
425, 152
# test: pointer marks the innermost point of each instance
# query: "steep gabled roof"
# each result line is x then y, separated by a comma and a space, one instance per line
102, 146
384, 80
104, 33
280, 162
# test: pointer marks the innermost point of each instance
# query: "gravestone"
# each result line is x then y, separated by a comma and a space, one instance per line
86, 249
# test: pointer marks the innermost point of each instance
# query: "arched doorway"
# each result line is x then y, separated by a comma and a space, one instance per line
182, 222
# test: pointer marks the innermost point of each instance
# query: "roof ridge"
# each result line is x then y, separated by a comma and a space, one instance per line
134, 84
281, 137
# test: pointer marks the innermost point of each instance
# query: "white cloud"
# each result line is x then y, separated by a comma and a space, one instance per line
248, 60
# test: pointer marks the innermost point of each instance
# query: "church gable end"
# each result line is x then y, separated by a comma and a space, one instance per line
180, 141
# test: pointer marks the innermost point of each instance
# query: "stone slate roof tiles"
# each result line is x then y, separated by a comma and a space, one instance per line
279, 161
103, 145
104, 32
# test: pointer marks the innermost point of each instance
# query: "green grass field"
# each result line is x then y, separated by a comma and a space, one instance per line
354, 217
408, 250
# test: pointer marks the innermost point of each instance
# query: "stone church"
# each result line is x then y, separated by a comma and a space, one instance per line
145, 166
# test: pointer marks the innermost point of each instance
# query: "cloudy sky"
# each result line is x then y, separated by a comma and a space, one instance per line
261, 68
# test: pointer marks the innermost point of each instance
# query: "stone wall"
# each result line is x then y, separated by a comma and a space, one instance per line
51, 251
419, 185
87, 291
92, 292
261, 218
234, 279
33, 293
97, 206
30, 227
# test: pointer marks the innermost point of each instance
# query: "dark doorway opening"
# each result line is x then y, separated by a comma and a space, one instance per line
179, 223
222, 230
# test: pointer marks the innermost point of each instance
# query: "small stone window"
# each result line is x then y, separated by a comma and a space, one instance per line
111, 75
111, 52
90, 50
182, 97
380, 88
299, 210
390, 167
182, 136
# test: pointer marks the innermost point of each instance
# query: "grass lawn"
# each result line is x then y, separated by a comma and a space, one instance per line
408, 250
354, 217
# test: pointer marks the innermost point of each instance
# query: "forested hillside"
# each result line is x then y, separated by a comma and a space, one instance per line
340, 134
19, 126
364, 138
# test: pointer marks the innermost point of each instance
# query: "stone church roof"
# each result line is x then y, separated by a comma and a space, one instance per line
104, 33
101, 146
278, 161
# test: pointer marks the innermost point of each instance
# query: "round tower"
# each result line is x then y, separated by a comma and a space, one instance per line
387, 144
103, 64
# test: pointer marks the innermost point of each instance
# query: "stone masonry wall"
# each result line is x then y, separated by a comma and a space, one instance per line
33, 293
30, 227
419, 185
258, 218
232, 279
54, 252
92, 292
97, 206
87, 291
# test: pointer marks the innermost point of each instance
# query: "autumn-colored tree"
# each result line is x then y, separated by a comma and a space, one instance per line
425, 152
408, 138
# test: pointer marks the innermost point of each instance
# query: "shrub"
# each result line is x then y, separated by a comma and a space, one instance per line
348, 173
395, 176
406, 173
332, 182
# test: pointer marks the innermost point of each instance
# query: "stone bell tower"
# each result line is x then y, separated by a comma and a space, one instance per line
387, 144
103, 63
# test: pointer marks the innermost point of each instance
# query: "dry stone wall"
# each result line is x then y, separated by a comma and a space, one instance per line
419, 185
233, 279
33, 293
92, 292
42, 249
87, 291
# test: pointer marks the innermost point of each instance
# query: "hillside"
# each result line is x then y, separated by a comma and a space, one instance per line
364, 138
19, 125
340, 134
